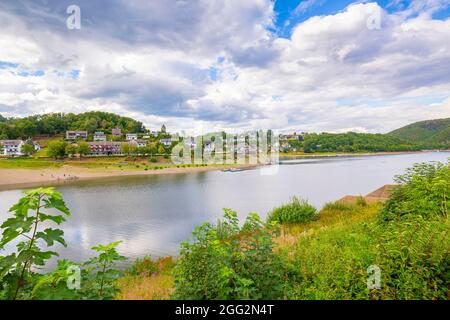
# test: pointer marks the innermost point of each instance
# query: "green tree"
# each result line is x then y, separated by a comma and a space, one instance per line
56, 149
83, 148
143, 151
125, 148
71, 149
27, 149
153, 148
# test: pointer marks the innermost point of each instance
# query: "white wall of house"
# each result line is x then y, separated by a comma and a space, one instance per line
100, 137
12, 147
131, 136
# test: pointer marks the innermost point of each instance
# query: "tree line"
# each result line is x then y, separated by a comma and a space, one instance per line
58, 123
351, 142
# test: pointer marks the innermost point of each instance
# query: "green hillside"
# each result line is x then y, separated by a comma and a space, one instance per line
429, 132
57, 123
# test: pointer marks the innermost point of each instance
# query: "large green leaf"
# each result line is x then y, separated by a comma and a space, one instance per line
56, 201
50, 235
58, 219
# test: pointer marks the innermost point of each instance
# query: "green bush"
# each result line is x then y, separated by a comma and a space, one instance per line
360, 201
410, 245
153, 159
424, 190
144, 266
230, 262
296, 211
414, 258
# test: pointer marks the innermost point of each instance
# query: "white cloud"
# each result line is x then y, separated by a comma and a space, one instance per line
333, 74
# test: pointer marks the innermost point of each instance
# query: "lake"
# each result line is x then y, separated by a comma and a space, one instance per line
153, 214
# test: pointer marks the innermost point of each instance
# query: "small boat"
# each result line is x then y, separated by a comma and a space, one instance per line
232, 170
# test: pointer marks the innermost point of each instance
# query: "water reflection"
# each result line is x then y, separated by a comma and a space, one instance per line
153, 214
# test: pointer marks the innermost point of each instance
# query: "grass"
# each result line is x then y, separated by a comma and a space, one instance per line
148, 280
333, 215
28, 163
322, 253
332, 223
96, 163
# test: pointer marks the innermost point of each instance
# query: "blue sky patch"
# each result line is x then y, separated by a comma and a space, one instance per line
37, 73
290, 13
7, 65
75, 74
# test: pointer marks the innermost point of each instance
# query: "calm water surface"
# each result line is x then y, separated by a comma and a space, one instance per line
153, 214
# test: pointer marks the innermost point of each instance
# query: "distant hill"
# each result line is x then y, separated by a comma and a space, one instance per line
429, 132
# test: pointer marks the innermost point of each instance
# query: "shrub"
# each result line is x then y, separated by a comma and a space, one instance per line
296, 211
424, 190
360, 201
230, 262
144, 266
414, 257
153, 159
147, 266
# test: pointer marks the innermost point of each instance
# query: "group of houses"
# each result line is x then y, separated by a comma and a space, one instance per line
100, 146
14, 147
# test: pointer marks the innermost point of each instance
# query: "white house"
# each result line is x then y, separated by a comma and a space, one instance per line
131, 136
14, 147
99, 136
140, 143
11, 147
76, 134
166, 142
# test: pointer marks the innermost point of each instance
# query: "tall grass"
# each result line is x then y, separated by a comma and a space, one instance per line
296, 211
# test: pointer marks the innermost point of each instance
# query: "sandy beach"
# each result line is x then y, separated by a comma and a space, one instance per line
22, 178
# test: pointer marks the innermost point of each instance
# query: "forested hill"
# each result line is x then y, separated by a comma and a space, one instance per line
353, 142
434, 132
58, 123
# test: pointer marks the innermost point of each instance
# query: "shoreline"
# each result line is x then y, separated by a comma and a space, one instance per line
11, 179
365, 154
16, 178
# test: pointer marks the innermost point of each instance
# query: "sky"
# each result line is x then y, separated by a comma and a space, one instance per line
205, 65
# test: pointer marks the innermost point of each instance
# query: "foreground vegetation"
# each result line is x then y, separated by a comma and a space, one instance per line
335, 254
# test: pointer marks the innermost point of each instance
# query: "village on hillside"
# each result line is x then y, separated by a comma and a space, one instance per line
99, 143
118, 143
